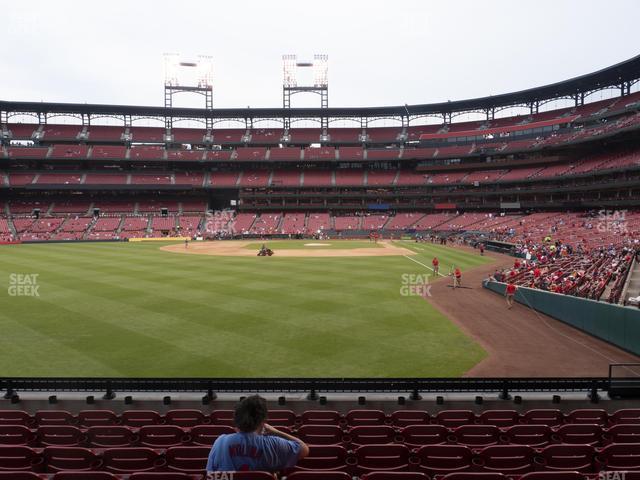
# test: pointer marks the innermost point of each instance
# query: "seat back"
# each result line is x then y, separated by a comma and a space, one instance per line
324, 457
365, 417
588, 415
133, 459
320, 417
139, 418
320, 434
371, 435
455, 418
444, 459
54, 417
19, 458
531, 435
110, 437
187, 459
404, 418
15, 417
578, 458
506, 459
161, 436
60, 435
186, 418
92, 418
499, 418
416, 436
382, 457
542, 416
579, 434
476, 435
205, 435
15, 435
58, 459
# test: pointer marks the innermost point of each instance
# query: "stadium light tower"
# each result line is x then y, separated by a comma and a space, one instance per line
184, 76
320, 86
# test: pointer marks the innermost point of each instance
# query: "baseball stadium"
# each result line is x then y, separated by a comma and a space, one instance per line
425, 291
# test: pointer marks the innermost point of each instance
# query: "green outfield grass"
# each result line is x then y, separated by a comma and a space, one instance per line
129, 309
313, 244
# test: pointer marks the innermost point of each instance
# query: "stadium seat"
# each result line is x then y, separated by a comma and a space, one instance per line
416, 436
548, 417
625, 415
475, 476
58, 459
623, 456
253, 476
54, 417
222, 417
395, 476
85, 476
163, 476
207, 434
15, 435
319, 476
15, 417
110, 437
588, 415
281, 418
371, 458
455, 418
553, 476
186, 418
578, 434
320, 434
499, 418
365, 417
324, 457
506, 459
404, 418
370, 435
16, 475
476, 435
130, 460
577, 458
97, 418
162, 436
187, 459
531, 435
139, 418
59, 436
19, 458
444, 459
320, 417
622, 433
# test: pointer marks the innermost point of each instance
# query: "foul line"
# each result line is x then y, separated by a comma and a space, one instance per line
420, 263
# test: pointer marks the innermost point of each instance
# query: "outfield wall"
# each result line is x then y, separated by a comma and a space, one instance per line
613, 323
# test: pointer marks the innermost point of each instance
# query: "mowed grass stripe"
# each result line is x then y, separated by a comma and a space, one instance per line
147, 312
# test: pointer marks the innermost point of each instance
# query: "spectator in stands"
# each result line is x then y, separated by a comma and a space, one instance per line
256, 445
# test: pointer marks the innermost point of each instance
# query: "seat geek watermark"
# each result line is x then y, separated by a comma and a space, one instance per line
23, 285
415, 285
220, 475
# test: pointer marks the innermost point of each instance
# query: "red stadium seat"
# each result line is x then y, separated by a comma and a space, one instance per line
187, 459
319, 476
499, 418
365, 417
395, 476
578, 434
186, 418
444, 459
623, 456
21, 476
577, 458
84, 476
93, 418
320, 434
139, 418
324, 457
19, 458
532, 435
320, 417
134, 459
253, 476
416, 436
506, 459
475, 476
371, 458
371, 435
110, 437
548, 417
54, 417
222, 417
161, 436
404, 418
625, 415
553, 476
58, 459
207, 434
281, 418
455, 418
15, 435
15, 417
60, 436
588, 415
476, 435
622, 433
162, 476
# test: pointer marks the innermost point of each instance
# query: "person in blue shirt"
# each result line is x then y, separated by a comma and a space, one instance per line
256, 445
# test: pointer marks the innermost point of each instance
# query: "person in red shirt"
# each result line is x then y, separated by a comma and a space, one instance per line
457, 278
436, 266
509, 293
536, 273
516, 264
482, 249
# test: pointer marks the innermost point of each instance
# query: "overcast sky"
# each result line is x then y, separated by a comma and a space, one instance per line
380, 53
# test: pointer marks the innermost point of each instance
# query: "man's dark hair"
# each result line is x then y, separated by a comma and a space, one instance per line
250, 413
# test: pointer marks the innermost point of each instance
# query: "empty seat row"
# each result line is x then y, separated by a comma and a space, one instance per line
400, 418
414, 436
430, 459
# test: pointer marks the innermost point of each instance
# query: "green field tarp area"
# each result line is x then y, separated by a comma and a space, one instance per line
613, 323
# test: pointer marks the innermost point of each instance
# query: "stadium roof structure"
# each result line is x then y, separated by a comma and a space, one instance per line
620, 76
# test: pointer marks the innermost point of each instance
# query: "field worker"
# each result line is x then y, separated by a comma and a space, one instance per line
457, 278
255, 445
509, 293
482, 249
186, 243
436, 266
